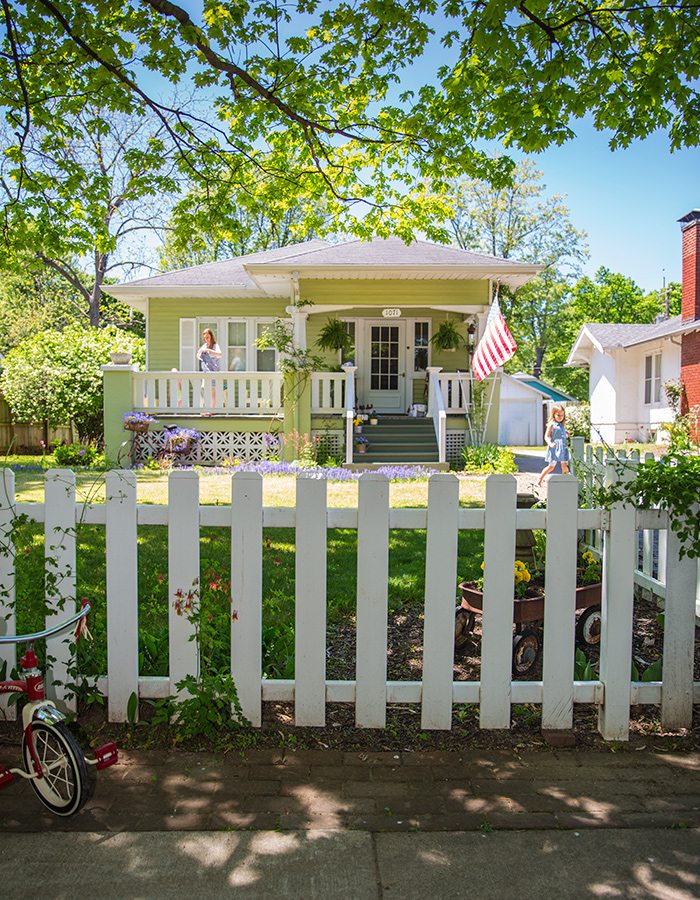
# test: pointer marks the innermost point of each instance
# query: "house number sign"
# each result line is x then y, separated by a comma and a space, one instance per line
391, 313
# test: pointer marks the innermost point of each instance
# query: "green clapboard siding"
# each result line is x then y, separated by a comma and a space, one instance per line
378, 294
164, 322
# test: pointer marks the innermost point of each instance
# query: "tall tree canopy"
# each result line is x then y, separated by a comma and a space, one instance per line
310, 94
80, 194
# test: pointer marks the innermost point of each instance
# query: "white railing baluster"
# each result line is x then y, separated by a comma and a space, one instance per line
372, 600
246, 591
497, 616
122, 592
60, 579
310, 603
440, 591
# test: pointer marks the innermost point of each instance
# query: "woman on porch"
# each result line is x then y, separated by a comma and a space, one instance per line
209, 354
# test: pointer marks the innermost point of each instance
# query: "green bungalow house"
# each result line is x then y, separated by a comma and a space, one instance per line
391, 296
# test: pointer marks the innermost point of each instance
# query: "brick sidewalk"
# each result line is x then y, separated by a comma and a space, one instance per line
379, 792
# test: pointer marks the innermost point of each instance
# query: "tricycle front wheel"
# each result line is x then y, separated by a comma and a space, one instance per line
65, 783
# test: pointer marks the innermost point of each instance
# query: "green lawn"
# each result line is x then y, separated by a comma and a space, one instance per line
406, 566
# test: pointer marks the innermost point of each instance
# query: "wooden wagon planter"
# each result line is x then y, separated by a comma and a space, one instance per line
528, 616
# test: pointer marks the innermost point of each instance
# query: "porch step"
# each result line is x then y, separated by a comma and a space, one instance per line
400, 439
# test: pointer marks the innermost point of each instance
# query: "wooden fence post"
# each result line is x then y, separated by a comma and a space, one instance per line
497, 616
122, 592
440, 593
619, 557
310, 603
372, 600
8, 618
679, 636
560, 603
59, 552
246, 591
183, 571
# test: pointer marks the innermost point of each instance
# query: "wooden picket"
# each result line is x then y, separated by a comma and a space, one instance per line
371, 692
122, 592
8, 617
59, 553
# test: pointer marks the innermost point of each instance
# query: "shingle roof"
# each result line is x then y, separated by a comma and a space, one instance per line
390, 251
627, 335
225, 273
544, 388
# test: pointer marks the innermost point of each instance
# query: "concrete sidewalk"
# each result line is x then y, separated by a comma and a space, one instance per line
310, 865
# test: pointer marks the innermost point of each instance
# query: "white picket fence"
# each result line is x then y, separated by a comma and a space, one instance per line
370, 691
650, 566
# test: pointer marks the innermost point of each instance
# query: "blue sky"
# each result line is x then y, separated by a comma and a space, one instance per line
627, 201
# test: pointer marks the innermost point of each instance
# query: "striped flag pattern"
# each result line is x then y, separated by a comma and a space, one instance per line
496, 346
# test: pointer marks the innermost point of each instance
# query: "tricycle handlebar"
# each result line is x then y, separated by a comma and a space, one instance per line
27, 638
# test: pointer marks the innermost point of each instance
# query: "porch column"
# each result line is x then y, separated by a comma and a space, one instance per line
118, 399
297, 411
298, 317
433, 372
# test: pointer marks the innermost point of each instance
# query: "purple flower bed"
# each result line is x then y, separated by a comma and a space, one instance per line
331, 473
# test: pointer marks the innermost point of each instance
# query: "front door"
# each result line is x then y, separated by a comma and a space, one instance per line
384, 376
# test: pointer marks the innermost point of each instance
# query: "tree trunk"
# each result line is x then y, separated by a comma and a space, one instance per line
537, 367
96, 293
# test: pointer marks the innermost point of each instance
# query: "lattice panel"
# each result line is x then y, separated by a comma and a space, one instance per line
213, 449
334, 440
454, 444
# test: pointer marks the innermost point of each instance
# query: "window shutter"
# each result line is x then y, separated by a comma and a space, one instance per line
188, 345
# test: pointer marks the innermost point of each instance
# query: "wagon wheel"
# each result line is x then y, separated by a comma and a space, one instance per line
588, 627
464, 625
526, 650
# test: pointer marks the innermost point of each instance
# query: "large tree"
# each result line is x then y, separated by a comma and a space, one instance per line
520, 221
80, 196
309, 94
214, 222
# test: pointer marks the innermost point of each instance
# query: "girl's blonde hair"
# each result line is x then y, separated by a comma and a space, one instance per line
556, 408
208, 331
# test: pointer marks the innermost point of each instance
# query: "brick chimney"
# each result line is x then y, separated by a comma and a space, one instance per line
690, 308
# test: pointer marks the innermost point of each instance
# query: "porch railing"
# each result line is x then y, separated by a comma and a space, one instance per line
328, 392
455, 388
248, 393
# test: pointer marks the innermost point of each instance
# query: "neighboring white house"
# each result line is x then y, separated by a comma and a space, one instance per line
629, 366
524, 407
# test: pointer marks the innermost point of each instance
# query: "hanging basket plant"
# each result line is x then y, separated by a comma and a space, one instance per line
334, 336
447, 336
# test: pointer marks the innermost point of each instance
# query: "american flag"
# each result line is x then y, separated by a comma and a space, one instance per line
496, 346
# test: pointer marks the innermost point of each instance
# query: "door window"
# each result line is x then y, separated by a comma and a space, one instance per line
384, 358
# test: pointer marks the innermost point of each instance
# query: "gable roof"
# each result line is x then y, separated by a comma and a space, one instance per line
611, 336
273, 272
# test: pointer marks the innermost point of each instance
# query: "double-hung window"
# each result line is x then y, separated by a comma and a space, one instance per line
237, 339
652, 378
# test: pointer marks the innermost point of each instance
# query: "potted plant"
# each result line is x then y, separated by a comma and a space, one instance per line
447, 336
120, 357
357, 422
361, 443
334, 335
137, 421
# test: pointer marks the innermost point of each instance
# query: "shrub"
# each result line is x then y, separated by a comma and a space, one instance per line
488, 458
71, 455
578, 420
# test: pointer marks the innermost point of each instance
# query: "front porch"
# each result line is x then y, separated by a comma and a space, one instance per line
240, 414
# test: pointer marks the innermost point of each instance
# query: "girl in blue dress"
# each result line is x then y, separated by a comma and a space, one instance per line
555, 435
